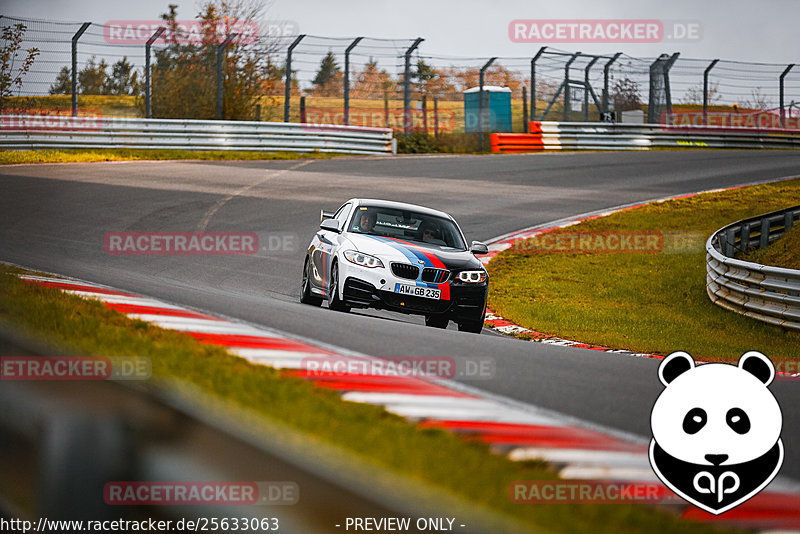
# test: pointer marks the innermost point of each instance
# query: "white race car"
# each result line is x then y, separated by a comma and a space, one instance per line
400, 257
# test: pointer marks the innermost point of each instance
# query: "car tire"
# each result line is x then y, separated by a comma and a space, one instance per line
470, 326
306, 296
475, 326
334, 302
437, 321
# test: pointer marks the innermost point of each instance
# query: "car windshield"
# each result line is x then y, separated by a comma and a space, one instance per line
407, 225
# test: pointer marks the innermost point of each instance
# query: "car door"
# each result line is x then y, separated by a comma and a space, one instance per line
325, 248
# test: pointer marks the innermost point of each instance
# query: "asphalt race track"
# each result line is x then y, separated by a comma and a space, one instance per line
54, 218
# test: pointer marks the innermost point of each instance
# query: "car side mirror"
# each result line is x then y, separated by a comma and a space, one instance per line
330, 224
478, 248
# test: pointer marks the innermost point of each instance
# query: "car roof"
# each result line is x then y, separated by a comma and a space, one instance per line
398, 205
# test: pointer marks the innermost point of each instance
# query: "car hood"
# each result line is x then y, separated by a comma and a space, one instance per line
398, 250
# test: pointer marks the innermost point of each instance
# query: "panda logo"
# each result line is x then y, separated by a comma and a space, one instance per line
716, 430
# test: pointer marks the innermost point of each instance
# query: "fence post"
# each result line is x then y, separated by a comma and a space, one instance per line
480, 100
605, 80
567, 88
303, 117
347, 79
386, 106
75, 38
586, 88
667, 89
781, 94
705, 91
148, 111
436, 117
524, 110
533, 84
660, 67
407, 86
220, 78
425, 113
288, 89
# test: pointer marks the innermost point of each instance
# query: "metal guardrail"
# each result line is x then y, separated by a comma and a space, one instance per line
602, 136
766, 293
25, 132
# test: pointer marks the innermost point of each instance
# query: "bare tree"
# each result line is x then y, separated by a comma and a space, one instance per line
694, 94
11, 73
757, 100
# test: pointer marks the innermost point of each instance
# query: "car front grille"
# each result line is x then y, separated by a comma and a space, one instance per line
414, 304
404, 270
437, 276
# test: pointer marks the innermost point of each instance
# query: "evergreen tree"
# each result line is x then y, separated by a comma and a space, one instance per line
92, 79
327, 72
63, 83
124, 80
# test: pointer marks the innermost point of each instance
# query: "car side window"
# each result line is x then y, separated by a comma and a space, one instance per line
341, 215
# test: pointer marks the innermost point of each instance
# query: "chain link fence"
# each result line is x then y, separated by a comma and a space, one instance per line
395, 83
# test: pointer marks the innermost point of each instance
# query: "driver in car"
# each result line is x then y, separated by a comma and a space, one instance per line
430, 233
366, 221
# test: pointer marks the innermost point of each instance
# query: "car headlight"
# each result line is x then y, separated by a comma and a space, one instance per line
472, 277
364, 260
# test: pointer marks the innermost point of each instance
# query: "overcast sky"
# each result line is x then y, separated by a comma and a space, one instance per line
749, 30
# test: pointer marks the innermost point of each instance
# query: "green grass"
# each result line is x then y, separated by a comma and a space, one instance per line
654, 303
785, 252
89, 155
444, 460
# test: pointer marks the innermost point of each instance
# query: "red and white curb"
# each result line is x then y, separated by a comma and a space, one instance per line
520, 431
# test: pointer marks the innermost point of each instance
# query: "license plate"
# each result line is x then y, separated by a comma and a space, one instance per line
417, 291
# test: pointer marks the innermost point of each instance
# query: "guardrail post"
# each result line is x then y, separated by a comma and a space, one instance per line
287, 94
705, 91
303, 118
567, 88
148, 111
480, 100
407, 86
533, 84
78, 455
606, 68
220, 78
347, 79
783, 75
75, 38
586, 88
763, 240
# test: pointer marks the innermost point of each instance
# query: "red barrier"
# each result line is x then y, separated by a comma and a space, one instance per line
509, 142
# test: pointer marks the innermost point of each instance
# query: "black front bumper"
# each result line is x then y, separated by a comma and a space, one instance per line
467, 301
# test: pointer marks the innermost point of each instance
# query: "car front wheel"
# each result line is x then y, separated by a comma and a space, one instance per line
334, 302
306, 297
